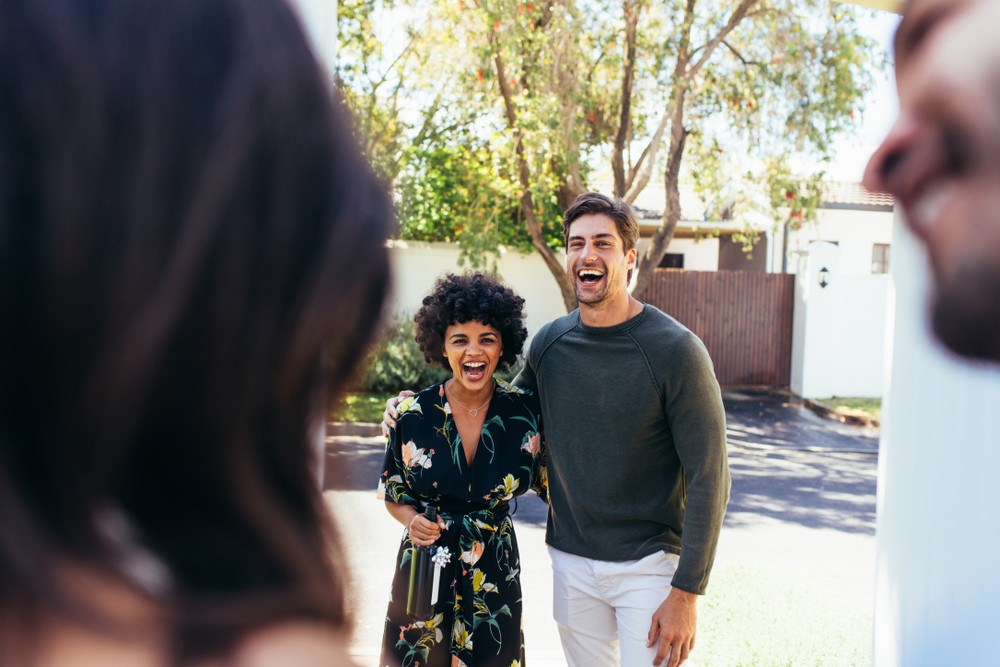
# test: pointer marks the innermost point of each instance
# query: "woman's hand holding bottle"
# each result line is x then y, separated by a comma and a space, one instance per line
424, 532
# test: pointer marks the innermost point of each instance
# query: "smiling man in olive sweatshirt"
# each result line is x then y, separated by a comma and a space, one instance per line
635, 432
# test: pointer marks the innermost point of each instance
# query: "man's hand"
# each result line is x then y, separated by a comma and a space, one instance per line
674, 623
390, 415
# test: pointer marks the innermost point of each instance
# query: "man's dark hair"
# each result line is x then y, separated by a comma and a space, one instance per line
620, 211
192, 260
460, 299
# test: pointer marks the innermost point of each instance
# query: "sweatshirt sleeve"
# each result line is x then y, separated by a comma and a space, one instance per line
527, 379
697, 420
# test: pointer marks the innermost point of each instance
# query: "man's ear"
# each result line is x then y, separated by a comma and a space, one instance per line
630, 259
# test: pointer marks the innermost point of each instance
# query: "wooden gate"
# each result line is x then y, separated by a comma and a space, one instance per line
744, 318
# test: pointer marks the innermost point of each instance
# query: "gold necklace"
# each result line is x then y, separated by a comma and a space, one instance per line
472, 411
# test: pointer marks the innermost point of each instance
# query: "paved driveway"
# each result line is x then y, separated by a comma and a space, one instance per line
765, 420
810, 511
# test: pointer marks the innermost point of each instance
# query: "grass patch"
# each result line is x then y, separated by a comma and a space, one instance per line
360, 407
764, 616
862, 407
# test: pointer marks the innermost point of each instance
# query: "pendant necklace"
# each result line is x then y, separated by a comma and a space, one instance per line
472, 411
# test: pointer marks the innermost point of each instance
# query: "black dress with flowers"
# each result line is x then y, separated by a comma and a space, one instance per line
477, 619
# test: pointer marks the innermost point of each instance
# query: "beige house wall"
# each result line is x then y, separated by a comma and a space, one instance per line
700, 255
855, 232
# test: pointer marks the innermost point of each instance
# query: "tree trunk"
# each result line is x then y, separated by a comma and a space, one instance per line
672, 209
625, 115
683, 76
527, 201
537, 238
641, 179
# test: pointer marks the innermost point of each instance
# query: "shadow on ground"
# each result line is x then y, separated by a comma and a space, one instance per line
353, 463
778, 419
813, 490
816, 490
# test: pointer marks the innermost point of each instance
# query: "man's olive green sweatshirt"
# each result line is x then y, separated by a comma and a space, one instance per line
635, 432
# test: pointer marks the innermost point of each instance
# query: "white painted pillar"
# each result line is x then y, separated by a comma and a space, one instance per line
769, 260
812, 320
937, 598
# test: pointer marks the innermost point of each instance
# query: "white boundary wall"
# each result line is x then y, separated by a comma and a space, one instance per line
937, 599
416, 265
838, 334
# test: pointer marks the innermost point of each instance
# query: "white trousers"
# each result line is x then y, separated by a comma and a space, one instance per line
604, 608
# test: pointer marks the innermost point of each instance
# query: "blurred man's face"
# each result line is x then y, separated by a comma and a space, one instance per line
942, 161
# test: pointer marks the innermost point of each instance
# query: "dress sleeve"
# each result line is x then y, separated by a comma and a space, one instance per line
539, 473
392, 484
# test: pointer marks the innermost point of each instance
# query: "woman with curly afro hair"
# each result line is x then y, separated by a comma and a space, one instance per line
466, 447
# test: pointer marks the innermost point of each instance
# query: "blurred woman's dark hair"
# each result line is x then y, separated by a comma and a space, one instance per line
192, 259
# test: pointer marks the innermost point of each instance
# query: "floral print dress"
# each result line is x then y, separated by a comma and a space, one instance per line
477, 618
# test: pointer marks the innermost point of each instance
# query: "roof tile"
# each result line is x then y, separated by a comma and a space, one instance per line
848, 193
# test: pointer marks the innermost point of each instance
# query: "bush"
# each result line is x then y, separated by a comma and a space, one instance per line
396, 363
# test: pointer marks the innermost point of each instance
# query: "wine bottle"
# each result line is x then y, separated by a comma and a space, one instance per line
419, 605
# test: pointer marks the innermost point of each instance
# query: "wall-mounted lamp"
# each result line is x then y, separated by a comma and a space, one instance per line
824, 277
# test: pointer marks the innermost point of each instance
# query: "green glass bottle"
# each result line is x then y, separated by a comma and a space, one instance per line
418, 603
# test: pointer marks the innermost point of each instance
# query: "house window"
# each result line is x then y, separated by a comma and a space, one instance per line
880, 258
672, 260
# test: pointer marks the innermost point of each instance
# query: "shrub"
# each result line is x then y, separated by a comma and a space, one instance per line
396, 363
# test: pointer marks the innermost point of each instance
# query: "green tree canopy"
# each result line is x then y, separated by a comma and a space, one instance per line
488, 116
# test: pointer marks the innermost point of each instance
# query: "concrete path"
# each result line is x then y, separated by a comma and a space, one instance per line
811, 512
